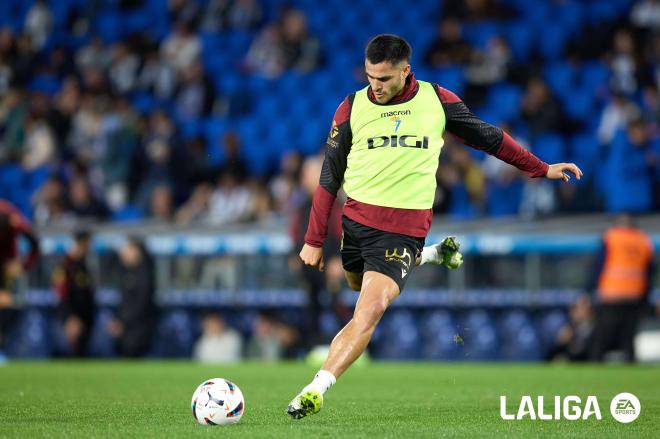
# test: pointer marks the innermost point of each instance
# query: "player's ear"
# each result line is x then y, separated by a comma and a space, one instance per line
406, 71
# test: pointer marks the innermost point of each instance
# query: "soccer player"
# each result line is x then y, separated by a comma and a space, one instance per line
383, 147
12, 225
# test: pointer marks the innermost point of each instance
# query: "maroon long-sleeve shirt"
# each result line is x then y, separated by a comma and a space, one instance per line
460, 122
16, 225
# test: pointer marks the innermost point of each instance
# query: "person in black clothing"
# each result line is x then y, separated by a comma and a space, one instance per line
134, 324
73, 282
13, 225
315, 282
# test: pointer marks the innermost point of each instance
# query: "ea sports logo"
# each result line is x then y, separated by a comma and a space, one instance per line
625, 407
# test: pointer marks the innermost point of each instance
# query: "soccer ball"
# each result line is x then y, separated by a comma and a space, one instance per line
217, 401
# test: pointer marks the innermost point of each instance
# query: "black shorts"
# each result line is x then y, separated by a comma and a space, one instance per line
366, 249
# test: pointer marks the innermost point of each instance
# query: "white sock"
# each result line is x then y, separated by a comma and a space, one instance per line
429, 254
321, 382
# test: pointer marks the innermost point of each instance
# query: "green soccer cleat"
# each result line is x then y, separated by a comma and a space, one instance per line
306, 403
448, 250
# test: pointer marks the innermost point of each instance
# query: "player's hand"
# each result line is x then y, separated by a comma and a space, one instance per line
312, 256
558, 171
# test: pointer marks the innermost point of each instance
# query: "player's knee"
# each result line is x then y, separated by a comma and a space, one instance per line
367, 317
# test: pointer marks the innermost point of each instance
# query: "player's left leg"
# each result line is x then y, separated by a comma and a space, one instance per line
377, 293
444, 253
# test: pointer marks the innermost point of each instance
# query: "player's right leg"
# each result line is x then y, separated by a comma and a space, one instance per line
378, 292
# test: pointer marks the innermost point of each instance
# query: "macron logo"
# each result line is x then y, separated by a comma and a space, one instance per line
396, 113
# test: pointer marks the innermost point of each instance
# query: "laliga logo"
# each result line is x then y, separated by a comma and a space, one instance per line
625, 408
570, 408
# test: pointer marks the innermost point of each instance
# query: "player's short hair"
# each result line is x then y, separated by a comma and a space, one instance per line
388, 48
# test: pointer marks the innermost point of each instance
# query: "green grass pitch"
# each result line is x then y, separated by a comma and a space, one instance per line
403, 400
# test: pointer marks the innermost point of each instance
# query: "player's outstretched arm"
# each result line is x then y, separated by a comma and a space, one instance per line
312, 256
558, 171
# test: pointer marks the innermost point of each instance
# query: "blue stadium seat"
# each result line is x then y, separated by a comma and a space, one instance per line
520, 341
175, 334
551, 42
629, 180
571, 16
521, 38
31, 336
128, 214
101, 344
561, 77
580, 106
585, 151
479, 336
550, 147
549, 325
480, 33
399, 338
449, 77
506, 98
36, 178
503, 199
594, 76
438, 331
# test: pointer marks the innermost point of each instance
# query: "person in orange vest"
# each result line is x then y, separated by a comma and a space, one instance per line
622, 285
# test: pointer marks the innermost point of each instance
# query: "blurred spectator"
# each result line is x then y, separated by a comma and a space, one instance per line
284, 187
231, 14
161, 206
24, 61
266, 54
183, 11
487, 67
65, 105
616, 115
39, 23
196, 207
449, 47
218, 343
195, 96
574, 338
154, 162
271, 339
135, 320
82, 203
181, 47
646, 14
624, 62
540, 109
50, 204
194, 167
301, 50
13, 114
156, 76
622, 281
233, 162
244, 14
629, 171
13, 225
93, 54
316, 283
74, 285
39, 148
231, 201
123, 69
